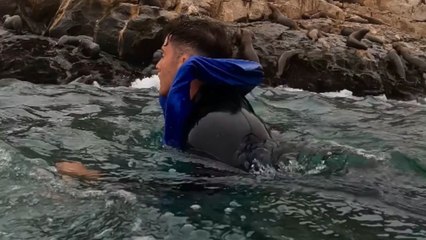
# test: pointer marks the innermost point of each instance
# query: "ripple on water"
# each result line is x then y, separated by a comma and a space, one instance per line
353, 169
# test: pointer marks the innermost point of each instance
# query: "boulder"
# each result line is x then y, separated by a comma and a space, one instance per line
131, 32
329, 65
8, 7
41, 60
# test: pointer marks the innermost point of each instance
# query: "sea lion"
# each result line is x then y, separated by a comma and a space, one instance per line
313, 34
396, 62
371, 20
408, 56
72, 40
278, 17
360, 2
354, 40
320, 14
13, 23
375, 39
245, 47
307, 15
347, 31
283, 61
154, 3
357, 19
88, 47
249, 2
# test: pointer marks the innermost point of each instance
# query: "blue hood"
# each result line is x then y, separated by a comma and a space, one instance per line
177, 106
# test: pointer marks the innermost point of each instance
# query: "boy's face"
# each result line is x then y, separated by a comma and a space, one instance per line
168, 65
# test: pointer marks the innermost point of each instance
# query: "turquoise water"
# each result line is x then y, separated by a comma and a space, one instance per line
354, 168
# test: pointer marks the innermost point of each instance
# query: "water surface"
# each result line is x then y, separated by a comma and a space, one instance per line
354, 169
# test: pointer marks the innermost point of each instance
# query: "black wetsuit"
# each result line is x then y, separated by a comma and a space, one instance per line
224, 127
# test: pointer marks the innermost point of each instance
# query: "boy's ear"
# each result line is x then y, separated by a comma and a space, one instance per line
183, 58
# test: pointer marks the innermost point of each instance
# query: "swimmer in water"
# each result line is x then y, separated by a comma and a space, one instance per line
202, 94
219, 121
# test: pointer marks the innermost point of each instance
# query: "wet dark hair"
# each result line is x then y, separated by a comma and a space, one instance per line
205, 37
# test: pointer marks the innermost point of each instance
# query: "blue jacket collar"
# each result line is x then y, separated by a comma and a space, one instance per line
177, 106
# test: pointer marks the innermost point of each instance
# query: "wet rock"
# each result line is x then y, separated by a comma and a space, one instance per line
154, 3
407, 16
40, 60
37, 14
79, 17
9, 7
133, 33
330, 65
123, 28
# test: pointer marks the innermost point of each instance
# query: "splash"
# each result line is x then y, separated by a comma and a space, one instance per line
5, 160
262, 171
148, 82
341, 94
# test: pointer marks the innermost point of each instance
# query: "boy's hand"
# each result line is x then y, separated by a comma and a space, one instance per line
78, 170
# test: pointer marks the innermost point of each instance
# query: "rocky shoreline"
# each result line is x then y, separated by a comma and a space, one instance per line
312, 46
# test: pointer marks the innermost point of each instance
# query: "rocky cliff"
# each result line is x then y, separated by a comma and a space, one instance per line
317, 51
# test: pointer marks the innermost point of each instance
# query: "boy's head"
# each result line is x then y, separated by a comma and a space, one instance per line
186, 37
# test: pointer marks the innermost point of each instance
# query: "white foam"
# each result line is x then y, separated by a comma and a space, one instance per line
379, 156
5, 159
148, 82
289, 89
419, 102
341, 94
144, 238
381, 97
228, 210
96, 84
195, 207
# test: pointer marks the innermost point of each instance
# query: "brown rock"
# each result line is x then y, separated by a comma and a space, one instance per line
234, 11
133, 34
295, 8
79, 17
40, 60
37, 14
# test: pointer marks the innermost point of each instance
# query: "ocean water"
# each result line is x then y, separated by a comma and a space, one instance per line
355, 168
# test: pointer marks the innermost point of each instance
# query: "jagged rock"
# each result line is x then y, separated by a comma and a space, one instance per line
9, 7
36, 14
234, 11
79, 17
128, 30
38, 59
131, 32
404, 15
330, 65
295, 8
